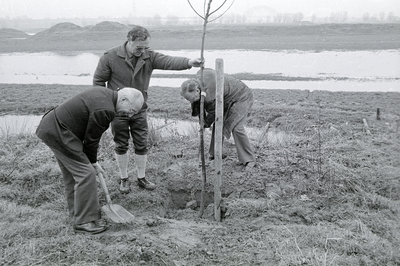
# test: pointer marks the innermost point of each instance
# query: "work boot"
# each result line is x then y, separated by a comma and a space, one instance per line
250, 165
124, 185
101, 222
144, 183
212, 157
90, 228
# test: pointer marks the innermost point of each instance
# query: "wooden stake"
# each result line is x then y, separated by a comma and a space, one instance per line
378, 114
218, 124
366, 126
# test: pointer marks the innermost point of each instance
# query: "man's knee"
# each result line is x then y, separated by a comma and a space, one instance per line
121, 149
139, 139
141, 151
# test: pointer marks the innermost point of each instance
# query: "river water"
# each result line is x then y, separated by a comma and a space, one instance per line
335, 70
27, 124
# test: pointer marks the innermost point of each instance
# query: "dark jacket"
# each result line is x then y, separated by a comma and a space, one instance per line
238, 99
75, 127
117, 70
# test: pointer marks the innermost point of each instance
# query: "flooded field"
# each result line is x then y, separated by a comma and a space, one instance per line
27, 124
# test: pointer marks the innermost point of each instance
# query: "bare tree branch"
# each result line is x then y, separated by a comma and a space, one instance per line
218, 8
222, 13
195, 10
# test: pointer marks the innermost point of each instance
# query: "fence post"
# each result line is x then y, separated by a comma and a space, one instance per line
219, 108
378, 114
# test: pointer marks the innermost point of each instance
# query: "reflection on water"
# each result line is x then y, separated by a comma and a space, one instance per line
379, 70
27, 124
18, 124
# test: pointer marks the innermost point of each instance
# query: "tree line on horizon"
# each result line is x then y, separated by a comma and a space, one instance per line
22, 23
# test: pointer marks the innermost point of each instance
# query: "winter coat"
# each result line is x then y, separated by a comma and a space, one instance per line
76, 126
238, 99
117, 70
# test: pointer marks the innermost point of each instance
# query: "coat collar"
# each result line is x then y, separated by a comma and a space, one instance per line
121, 52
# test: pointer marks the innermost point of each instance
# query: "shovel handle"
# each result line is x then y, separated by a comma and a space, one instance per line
105, 189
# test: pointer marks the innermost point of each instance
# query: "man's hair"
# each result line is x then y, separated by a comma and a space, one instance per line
189, 86
138, 33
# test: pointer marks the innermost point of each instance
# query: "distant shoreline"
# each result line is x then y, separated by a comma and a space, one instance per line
320, 37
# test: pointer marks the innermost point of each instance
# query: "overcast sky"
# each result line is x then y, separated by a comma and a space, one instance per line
38, 9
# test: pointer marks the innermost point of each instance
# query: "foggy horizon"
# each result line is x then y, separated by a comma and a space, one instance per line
91, 9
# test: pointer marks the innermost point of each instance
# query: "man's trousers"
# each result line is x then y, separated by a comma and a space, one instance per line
80, 188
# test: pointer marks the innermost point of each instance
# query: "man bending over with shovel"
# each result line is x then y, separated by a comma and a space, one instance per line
73, 131
238, 99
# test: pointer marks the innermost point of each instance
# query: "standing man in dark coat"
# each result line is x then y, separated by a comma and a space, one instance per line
131, 65
73, 131
238, 99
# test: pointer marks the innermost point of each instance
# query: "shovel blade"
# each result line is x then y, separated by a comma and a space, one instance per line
117, 213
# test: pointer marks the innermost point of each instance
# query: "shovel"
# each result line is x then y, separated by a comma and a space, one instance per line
115, 212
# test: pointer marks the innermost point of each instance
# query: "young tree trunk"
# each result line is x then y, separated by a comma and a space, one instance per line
202, 96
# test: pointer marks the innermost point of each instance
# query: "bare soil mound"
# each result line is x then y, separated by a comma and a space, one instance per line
62, 27
6, 33
59, 32
70, 32
109, 26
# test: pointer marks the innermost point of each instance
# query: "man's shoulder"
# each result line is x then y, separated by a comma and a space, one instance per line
152, 53
114, 50
96, 91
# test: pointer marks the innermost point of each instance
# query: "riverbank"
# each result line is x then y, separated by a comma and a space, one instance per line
35, 99
314, 37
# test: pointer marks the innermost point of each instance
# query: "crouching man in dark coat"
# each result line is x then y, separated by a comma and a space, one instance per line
238, 99
73, 131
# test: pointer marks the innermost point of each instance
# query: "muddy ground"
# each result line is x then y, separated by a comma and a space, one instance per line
325, 189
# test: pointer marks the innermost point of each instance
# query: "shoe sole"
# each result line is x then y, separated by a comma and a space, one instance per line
92, 233
146, 188
124, 192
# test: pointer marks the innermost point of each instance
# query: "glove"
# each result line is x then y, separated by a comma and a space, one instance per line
97, 168
207, 124
195, 108
209, 119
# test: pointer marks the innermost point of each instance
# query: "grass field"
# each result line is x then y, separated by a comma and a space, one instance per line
326, 189
324, 192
